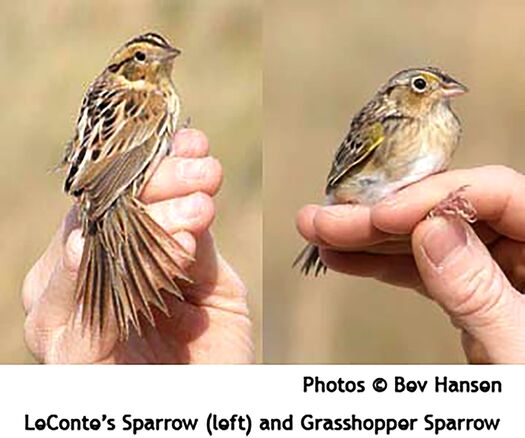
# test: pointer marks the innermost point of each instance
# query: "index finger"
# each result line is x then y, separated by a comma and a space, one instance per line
190, 143
343, 226
497, 193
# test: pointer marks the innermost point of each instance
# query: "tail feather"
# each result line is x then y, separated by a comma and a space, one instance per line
93, 277
134, 286
129, 300
128, 260
140, 283
166, 248
99, 277
88, 277
118, 309
309, 260
146, 289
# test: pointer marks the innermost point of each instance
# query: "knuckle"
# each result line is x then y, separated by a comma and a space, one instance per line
502, 172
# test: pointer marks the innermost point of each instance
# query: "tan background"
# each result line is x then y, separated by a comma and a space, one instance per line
51, 50
322, 61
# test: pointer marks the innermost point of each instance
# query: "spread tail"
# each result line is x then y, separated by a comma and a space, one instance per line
128, 259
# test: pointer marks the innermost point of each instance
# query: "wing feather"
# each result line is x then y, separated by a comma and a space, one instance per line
356, 147
366, 135
119, 130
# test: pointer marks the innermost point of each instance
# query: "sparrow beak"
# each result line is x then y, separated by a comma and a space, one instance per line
172, 53
453, 89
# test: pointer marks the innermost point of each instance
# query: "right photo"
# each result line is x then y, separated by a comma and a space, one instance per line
393, 198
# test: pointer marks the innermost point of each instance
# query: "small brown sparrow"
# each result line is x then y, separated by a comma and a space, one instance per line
124, 129
405, 133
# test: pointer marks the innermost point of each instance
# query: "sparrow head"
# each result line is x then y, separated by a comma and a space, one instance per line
145, 57
416, 91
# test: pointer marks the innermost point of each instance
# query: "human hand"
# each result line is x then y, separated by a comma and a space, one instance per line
212, 325
476, 274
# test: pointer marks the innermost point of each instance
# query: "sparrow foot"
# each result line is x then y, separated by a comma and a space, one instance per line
187, 123
455, 205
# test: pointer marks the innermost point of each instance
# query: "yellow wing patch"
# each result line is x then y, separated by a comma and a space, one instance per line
376, 137
355, 150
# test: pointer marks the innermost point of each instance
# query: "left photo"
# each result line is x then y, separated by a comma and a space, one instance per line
132, 182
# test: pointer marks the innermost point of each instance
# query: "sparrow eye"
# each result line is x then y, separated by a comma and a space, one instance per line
140, 56
419, 84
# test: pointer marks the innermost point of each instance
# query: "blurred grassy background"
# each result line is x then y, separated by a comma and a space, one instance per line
322, 62
50, 51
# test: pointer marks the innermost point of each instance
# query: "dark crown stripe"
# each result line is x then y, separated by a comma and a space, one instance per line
152, 38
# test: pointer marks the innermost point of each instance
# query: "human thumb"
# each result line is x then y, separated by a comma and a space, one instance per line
462, 277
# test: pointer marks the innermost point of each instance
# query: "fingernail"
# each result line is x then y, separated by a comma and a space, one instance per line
193, 169
444, 238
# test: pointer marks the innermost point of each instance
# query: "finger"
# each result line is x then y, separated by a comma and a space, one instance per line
396, 270
496, 192
305, 223
181, 176
400, 243
216, 284
190, 143
38, 277
460, 274
217, 293
193, 213
57, 304
346, 226
187, 241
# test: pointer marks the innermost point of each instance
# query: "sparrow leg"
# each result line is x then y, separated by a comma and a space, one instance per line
455, 205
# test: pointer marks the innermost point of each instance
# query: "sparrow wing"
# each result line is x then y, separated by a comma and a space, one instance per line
358, 145
118, 132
